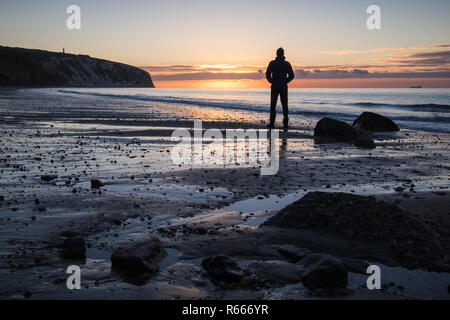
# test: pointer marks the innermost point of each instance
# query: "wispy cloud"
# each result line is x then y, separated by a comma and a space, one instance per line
390, 63
225, 68
380, 50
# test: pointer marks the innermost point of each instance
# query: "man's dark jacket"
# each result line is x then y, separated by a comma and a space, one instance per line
279, 73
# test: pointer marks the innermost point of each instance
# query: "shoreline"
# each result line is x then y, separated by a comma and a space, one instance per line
143, 194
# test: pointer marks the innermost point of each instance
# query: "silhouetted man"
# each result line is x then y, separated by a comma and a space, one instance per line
279, 73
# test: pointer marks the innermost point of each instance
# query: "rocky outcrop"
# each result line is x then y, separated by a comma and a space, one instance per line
335, 130
38, 68
412, 242
139, 258
375, 122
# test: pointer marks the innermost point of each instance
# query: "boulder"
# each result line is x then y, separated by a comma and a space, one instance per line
322, 271
74, 249
95, 184
222, 268
412, 242
375, 122
336, 130
270, 274
140, 257
48, 177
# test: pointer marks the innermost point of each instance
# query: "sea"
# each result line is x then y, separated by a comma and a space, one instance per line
412, 108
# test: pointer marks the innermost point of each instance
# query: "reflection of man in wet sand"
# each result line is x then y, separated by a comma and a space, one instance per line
279, 73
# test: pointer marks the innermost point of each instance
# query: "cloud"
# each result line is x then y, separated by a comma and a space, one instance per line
209, 76
168, 69
360, 73
426, 59
378, 50
390, 65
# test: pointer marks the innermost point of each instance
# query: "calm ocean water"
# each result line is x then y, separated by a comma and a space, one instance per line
422, 109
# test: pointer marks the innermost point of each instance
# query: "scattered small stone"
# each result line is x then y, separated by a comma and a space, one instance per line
48, 178
27, 294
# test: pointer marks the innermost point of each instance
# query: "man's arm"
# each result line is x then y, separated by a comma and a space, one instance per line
291, 74
269, 73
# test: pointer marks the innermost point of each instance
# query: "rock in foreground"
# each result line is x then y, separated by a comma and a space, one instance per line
322, 271
375, 122
74, 249
141, 257
336, 130
95, 184
412, 242
222, 269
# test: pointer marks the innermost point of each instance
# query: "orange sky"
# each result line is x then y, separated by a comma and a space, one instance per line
228, 44
311, 83
389, 67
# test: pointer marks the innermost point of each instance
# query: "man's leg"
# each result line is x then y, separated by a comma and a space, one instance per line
284, 103
273, 105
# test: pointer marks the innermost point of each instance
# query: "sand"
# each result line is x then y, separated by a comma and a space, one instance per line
127, 145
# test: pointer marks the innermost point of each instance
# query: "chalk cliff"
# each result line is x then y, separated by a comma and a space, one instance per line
38, 68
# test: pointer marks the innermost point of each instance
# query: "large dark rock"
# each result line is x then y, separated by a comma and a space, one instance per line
74, 249
412, 241
321, 271
375, 122
49, 177
28, 67
335, 130
270, 274
222, 269
140, 257
95, 184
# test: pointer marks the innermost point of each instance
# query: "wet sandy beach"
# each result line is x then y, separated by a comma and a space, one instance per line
53, 146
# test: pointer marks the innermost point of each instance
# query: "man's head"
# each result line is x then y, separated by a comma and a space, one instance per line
280, 52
